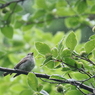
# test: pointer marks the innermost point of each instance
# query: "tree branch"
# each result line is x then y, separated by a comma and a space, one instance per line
7, 4
75, 83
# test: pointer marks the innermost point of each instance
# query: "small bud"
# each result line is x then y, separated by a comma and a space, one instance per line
83, 54
40, 86
60, 89
93, 29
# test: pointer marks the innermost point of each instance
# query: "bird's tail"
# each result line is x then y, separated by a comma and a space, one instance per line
16, 75
6, 73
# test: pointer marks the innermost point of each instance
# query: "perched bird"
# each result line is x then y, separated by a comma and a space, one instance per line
26, 64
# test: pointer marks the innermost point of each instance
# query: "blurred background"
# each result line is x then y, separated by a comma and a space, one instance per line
50, 15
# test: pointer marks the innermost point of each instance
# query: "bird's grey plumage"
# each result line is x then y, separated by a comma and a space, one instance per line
26, 64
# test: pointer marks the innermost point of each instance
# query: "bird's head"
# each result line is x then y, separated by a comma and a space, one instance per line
30, 54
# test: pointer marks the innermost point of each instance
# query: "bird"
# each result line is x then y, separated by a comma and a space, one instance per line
26, 64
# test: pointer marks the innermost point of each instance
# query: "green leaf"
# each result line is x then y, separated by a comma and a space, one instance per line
71, 41
27, 27
93, 53
5, 17
56, 76
18, 24
64, 11
66, 53
65, 69
89, 46
40, 86
2, 2
7, 31
61, 3
42, 48
78, 35
6, 59
12, 58
93, 9
37, 93
72, 22
79, 76
70, 62
79, 64
50, 64
2, 53
32, 81
38, 14
16, 87
48, 58
82, 6
17, 8
26, 92
54, 52
41, 4
60, 46
18, 43
92, 37
57, 37
73, 92
48, 19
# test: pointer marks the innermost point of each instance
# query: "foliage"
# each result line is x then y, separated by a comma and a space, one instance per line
62, 56
56, 58
69, 14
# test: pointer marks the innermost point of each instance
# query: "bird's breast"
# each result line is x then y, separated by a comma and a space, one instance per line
27, 66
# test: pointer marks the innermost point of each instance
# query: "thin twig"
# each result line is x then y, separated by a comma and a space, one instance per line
79, 69
87, 79
86, 59
50, 81
9, 16
81, 91
7, 4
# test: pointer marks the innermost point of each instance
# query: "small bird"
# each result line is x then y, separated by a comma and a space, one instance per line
26, 64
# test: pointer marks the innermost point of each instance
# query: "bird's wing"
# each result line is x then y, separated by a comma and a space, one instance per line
21, 62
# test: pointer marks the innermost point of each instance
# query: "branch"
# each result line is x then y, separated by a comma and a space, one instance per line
9, 16
84, 58
7, 4
53, 18
79, 69
75, 83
